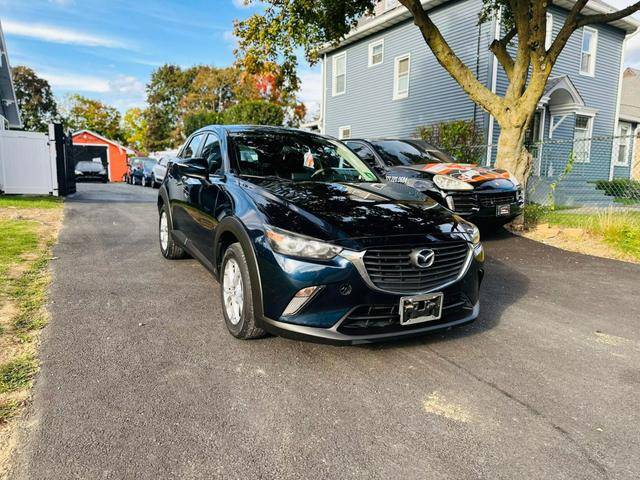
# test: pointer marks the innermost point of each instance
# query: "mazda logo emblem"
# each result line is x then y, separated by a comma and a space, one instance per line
422, 258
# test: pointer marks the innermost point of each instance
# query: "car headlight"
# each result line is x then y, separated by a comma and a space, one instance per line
418, 184
445, 182
78, 172
295, 245
472, 233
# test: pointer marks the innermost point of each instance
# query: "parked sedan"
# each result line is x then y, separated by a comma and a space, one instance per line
308, 242
475, 192
90, 171
140, 171
159, 170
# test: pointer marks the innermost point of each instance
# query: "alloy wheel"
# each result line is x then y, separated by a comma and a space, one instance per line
233, 294
164, 232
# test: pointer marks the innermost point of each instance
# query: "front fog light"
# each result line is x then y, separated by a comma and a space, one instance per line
300, 299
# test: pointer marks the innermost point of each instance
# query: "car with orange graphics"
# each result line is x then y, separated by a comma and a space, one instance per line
480, 194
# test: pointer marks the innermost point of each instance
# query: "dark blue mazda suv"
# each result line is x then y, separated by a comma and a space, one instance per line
308, 242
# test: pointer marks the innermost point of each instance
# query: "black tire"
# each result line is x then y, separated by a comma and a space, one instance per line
246, 328
172, 250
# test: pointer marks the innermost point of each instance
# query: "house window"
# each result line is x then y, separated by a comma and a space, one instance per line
582, 138
588, 52
376, 52
548, 36
401, 77
340, 73
624, 144
344, 133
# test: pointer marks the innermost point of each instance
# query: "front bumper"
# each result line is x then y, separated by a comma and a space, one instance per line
486, 205
348, 309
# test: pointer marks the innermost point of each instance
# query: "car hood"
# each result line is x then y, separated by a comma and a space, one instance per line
350, 210
467, 172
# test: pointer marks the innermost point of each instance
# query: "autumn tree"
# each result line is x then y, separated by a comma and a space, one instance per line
37, 105
134, 126
276, 34
86, 113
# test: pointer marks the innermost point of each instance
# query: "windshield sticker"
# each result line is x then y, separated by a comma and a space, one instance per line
308, 159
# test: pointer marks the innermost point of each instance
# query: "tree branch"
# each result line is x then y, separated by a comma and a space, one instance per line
450, 61
499, 49
608, 17
570, 25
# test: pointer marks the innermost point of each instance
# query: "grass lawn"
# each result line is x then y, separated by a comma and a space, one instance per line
28, 229
620, 230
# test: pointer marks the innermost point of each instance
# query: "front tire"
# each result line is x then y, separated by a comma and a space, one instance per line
168, 247
236, 294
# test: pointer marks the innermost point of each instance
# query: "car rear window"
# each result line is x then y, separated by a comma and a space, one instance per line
409, 152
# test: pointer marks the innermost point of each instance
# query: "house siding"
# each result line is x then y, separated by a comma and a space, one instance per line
368, 105
599, 92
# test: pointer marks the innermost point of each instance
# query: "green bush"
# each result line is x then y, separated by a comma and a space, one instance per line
197, 120
620, 188
461, 138
254, 112
533, 213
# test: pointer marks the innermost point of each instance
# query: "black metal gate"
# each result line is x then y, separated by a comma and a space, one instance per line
64, 161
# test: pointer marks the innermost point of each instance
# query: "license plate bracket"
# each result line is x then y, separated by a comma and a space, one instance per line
503, 210
421, 308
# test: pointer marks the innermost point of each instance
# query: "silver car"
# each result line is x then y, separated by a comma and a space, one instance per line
160, 170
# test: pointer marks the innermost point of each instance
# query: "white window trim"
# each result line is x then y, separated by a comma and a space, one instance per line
594, 55
396, 62
548, 36
629, 144
334, 77
341, 132
372, 45
389, 4
589, 136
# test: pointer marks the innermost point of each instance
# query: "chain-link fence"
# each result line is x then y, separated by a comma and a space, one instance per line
582, 175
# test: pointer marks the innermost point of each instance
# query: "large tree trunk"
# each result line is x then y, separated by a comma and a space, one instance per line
512, 154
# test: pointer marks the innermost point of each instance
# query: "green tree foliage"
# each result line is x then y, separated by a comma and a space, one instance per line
196, 120
86, 113
134, 126
37, 105
167, 87
254, 112
460, 138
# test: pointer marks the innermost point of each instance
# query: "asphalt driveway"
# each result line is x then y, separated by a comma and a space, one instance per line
141, 380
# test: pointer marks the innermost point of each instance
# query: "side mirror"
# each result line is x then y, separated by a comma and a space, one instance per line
196, 167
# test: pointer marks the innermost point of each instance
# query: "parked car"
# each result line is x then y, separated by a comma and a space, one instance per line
91, 171
478, 193
139, 171
159, 170
308, 242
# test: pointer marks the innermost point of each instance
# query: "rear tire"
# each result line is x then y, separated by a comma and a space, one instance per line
241, 324
168, 247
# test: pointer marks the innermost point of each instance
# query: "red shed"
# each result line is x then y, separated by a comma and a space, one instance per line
90, 146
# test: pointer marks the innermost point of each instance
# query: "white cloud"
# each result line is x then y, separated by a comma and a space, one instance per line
126, 85
82, 83
55, 34
241, 3
310, 86
63, 3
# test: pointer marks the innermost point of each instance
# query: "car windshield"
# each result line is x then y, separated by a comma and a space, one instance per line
148, 164
89, 166
296, 157
409, 152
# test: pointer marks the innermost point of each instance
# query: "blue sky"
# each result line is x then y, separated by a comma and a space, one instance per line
107, 49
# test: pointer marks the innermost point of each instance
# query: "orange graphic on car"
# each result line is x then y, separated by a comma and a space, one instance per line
466, 172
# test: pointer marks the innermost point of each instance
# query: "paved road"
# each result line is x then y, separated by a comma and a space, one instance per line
140, 379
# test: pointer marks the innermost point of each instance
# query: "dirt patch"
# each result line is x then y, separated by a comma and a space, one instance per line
574, 240
437, 405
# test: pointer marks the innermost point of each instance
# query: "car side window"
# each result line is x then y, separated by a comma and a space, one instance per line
211, 153
363, 152
192, 147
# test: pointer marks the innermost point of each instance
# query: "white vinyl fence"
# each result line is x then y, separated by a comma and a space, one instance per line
27, 163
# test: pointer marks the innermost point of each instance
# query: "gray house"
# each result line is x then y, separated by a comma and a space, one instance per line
382, 80
629, 121
9, 113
